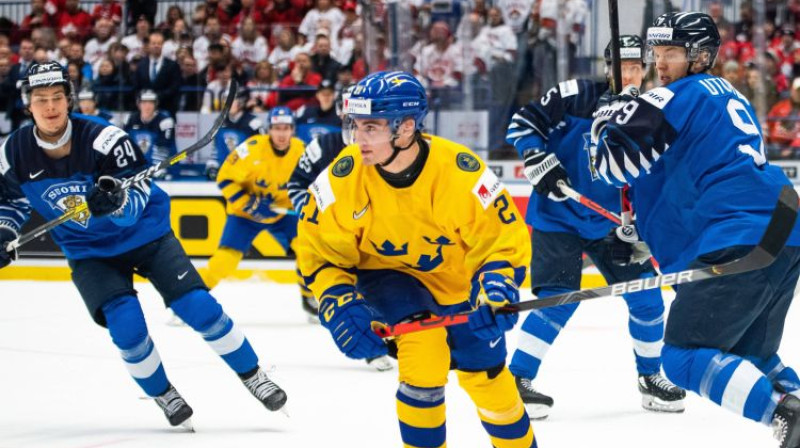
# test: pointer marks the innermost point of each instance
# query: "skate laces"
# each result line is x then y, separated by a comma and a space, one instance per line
170, 401
660, 382
261, 386
527, 384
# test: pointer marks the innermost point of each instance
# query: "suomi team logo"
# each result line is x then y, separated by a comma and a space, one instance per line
67, 196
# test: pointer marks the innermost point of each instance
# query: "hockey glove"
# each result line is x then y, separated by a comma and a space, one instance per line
345, 314
625, 247
608, 106
500, 291
105, 201
544, 171
259, 207
6, 236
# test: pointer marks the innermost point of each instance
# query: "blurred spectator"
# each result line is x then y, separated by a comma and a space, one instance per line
301, 83
76, 55
282, 55
174, 13
715, 10
136, 42
6, 90
76, 76
74, 22
25, 54
198, 19
216, 58
212, 34
784, 46
783, 124
108, 85
731, 71
324, 112
46, 38
192, 85
440, 64
772, 69
141, 8
249, 47
264, 79
14, 107
281, 16
40, 55
38, 17
181, 37
118, 54
98, 46
217, 89
222, 10
108, 9
325, 15
159, 74
759, 90
321, 60
743, 29
351, 27
250, 8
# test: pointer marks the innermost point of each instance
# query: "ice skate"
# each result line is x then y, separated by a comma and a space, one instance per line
267, 392
311, 307
380, 363
537, 404
175, 408
786, 422
660, 395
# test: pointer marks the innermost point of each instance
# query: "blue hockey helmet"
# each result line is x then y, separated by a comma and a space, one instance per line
46, 74
280, 115
696, 32
393, 96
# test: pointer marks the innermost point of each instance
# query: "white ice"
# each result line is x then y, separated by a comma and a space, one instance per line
63, 385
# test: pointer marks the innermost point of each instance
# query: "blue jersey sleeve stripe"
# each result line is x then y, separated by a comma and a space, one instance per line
236, 196
224, 183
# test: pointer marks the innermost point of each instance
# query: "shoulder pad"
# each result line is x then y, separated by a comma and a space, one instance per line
166, 123
314, 151
487, 188
568, 88
322, 190
658, 97
107, 139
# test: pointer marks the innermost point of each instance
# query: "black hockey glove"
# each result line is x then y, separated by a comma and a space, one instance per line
607, 106
6, 236
105, 201
544, 171
625, 247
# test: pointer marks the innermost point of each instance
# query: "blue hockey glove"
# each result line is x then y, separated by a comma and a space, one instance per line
500, 291
259, 207
103, 202
6, 236
345, 314
544, 171
625, 247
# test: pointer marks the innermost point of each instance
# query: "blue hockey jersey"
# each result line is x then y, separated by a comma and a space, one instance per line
317, 156
233, 133
694, 155
156, 138
29, 179
559, 123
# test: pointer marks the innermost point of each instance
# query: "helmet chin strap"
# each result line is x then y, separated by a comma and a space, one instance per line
396, 149
61, 140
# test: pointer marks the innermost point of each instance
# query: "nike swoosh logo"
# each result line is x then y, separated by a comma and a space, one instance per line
361, 213
494, 343
180, 277
36, 174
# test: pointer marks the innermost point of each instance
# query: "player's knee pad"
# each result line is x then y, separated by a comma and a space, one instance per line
125, 321
423, 358
421, 413
198, 309
221, 265
500, 408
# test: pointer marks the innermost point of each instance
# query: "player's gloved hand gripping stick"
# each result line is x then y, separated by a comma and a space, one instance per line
777, 233
112, 185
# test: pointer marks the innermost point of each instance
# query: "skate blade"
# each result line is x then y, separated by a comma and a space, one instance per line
537, 411
655, 404
285, 411
187, 425
381, 364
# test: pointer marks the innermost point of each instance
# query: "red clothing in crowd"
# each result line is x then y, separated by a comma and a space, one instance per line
31, 22
111, 11
783, 124
78, 24
295, 100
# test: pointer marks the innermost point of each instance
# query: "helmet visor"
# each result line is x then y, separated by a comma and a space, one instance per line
367, 132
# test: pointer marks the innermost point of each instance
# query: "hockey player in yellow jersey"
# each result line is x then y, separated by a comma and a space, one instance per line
253, 181
402, 226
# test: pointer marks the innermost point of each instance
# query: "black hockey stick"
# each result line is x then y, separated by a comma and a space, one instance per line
109, 183
778, 231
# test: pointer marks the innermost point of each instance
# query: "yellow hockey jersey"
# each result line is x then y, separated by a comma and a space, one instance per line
254, 168
456, 221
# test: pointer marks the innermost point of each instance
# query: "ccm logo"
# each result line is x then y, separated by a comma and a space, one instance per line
651, 283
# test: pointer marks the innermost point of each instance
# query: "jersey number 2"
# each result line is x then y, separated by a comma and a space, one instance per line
744, 122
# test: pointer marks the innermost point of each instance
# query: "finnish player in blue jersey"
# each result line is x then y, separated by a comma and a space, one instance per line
552, 135
703, 192
240, 125
152, 130
52, 167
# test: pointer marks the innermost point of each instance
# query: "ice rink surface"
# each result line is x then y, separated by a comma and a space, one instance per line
63, 384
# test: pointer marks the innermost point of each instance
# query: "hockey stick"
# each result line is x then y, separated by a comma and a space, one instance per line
108, 183
583, 200
780, 226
